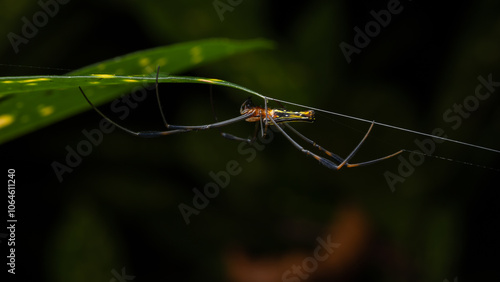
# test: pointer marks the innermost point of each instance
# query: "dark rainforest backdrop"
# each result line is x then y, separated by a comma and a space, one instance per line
271, 213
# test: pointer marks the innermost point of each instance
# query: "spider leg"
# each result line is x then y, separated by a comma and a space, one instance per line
339, 159
240, 139
158, 98
173, 128
324, 161
376, 160
228, 135
314, 144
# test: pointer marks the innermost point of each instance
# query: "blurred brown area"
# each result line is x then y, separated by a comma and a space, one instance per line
349, 227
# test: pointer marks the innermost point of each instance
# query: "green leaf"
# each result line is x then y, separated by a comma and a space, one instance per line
28, 103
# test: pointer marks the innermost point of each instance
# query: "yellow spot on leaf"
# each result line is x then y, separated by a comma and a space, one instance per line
144, 62
196, 56
33, 80
104, 75
7, 81
209, 80
32, 84
5, 120
45, 111
130, 80
206, 80
161, 62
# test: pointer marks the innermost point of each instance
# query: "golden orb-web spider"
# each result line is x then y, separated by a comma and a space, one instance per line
265, 116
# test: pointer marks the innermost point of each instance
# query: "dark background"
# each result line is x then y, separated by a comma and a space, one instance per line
119, 208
